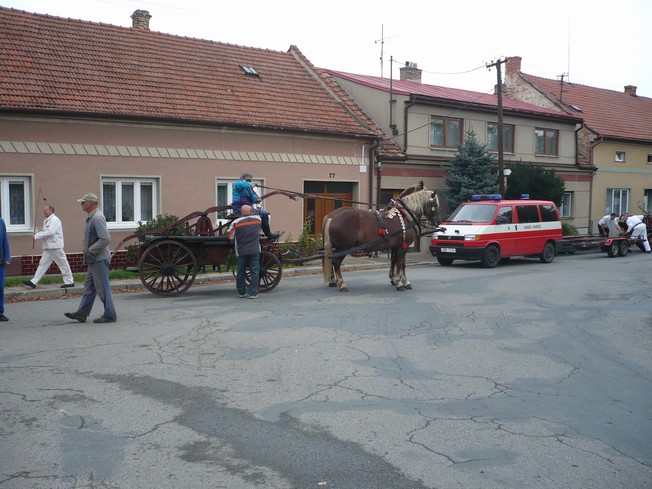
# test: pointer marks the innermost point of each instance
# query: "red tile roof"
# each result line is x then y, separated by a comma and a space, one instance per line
55, 65
465, 98
609, 113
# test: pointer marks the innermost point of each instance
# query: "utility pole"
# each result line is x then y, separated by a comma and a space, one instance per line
501, 162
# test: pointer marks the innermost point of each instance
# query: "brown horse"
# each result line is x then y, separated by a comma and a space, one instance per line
347, 229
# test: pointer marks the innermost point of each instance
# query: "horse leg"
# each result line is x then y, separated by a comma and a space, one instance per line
337, 263
392, 267
406, 282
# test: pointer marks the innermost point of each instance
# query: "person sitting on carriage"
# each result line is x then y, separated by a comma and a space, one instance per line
244, 193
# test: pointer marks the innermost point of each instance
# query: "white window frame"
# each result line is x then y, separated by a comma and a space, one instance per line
119, 182
5, 203
620, 157
566, 207
622, 196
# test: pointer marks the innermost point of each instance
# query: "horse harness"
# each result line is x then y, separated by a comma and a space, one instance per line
400, 210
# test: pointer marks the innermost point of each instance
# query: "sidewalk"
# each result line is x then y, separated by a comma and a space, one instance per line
351, 263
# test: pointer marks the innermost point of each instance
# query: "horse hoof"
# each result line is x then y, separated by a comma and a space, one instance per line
332, 285
400, 288
408, 287
344, 289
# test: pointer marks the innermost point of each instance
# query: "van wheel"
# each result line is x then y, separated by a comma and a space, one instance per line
491, 257
548, 253
445, 261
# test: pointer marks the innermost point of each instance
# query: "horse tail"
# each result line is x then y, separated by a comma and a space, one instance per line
327, 264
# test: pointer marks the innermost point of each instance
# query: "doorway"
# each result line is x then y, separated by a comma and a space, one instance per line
323, 198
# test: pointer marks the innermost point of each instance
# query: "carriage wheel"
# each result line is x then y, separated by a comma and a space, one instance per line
270, 272
167, 268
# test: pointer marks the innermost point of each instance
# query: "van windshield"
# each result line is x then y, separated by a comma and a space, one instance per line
473, 213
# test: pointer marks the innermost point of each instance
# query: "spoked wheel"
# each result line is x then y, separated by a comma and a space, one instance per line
167, 268
270, 274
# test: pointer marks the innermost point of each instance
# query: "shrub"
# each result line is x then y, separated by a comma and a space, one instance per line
567, 229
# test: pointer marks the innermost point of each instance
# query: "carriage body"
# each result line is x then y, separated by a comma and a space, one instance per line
170, 258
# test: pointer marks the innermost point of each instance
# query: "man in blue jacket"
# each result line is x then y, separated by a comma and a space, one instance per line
5, 260
244, 193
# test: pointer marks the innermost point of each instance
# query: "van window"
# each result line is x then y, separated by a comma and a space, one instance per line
505, 215
548, 213
473, 213
527, 213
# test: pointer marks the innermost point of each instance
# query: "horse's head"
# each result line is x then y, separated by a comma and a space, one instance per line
432, 208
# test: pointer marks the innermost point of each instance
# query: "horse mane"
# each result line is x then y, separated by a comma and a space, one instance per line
419, 201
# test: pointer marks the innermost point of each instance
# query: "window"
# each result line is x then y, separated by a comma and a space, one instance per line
566, 207
508, 137
445, 132
548, 213
224, 194
546, 142
617, 201
527, 213
649, 159
126, 201
15, 202
619, 157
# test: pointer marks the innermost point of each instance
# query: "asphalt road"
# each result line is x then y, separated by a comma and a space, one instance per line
529, 375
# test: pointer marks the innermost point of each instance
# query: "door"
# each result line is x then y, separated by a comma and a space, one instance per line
321, 199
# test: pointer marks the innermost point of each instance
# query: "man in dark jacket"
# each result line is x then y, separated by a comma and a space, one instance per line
245, 231
97, 256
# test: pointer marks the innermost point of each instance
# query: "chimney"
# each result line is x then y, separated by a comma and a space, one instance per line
410, 72
630, 90
140, 19
513, 66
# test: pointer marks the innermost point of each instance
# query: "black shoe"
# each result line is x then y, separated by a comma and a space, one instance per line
29, 283
3, 317
65, 286
103, 319
76, 316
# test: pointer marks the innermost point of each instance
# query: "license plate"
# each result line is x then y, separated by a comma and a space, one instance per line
448, 250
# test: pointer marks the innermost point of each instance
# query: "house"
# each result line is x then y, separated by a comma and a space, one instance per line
615, 137
428, 122
160, 124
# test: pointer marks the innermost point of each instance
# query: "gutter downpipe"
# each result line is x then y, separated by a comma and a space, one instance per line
372, 161
599, 140
411, 103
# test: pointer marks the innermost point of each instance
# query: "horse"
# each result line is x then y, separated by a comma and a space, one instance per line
348, 229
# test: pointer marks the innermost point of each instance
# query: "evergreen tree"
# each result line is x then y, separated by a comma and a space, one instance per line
473, 171
536, 181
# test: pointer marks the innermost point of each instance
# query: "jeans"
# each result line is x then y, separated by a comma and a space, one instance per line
97, 284
264, 216
253, 263
2, 297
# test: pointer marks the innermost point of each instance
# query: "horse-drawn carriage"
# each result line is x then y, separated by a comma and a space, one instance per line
169, 258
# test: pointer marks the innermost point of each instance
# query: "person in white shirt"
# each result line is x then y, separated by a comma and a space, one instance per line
52, 236
637, 231
605, 224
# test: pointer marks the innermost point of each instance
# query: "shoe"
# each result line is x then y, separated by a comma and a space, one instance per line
103, 319
3, 317
253, 296
242, 296
76, 316
29, 283
65, 286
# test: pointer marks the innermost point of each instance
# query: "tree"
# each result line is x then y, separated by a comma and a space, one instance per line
473, 172
536, 181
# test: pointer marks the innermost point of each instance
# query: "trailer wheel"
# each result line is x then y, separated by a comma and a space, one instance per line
491, 257
613, 249
623, 248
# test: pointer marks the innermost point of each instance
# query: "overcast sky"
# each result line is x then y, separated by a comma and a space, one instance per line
601, 43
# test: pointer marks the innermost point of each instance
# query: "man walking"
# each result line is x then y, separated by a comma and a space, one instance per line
246, 231
52, 236
97, 256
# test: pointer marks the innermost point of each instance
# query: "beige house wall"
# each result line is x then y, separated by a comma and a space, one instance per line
65, 159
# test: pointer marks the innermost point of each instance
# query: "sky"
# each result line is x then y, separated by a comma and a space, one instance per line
601, 43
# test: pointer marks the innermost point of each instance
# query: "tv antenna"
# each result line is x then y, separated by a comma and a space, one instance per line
382, 46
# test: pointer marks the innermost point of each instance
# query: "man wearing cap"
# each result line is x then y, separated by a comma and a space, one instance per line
97, 256
244, 193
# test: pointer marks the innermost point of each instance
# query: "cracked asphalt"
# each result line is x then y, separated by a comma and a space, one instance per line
529, 375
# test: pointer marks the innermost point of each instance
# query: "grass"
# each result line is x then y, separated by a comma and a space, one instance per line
58, 279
